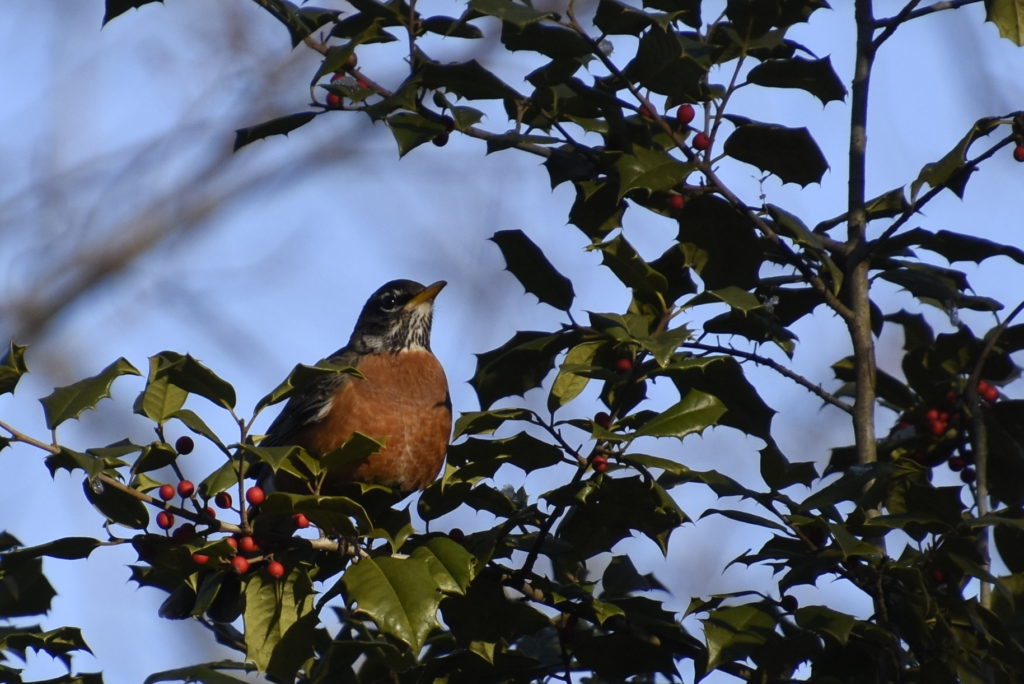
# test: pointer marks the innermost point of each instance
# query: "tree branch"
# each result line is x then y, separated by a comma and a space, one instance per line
825, 395
930, 9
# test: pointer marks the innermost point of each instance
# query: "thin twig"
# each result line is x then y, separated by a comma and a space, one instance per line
979, 444
891, 27
930, 9
825, 395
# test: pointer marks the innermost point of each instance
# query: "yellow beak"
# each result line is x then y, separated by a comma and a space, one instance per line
427, 295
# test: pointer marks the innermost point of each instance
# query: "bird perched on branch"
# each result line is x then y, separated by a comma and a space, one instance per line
401, 397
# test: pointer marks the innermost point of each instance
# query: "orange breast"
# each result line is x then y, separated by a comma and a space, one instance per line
403, 399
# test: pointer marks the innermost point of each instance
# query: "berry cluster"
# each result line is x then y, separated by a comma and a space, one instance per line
944, 437
247, 549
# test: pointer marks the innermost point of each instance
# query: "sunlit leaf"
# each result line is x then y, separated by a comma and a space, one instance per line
69, 402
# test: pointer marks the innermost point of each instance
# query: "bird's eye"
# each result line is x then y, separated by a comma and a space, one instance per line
388, 301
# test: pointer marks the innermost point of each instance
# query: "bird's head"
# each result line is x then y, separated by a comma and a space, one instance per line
396, 317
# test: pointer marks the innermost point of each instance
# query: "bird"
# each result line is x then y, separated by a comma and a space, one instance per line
400, 396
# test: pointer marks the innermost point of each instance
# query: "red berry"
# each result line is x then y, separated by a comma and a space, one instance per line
600, 463
956, 464
240, 564
603, 419
937, 427
184, 445
165, 520
275, 569
255, 496
988, 392
352, 61
300, 520
932, 415
685, 114
701, 141
968, 475
200, 558
338, 76
624, 365
1018, 153
456, 535
184, 534
232, 542
645, 112
247, 544
676, 202
362, 82
333, 100
186, 488
223, 500
166, 492
210, 512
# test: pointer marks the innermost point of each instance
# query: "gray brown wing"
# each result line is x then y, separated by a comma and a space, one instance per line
307, 406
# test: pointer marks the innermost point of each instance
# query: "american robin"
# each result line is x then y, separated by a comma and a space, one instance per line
401, 398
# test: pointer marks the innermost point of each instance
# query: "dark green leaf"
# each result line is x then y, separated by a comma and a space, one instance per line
733, 633
59, 643
69, 402
664, 65
648, 284
693, 414
789, 153
466, 79
486, 422
556, 42
12, 367
956, 246
412, 130
398, 594
570, 382
24, 590
272, 608
351, 454
477, 457
1008, 16
207, 673
155, 456
826, 621
778, 473
300, 378
723, 377
598, 209
950, 171
621, 578
68, 548
720, 244
527, 263
118, 506
280, 126
187, 373
611, 508
816, 76
115, 8
507, 10
520, 364
450, 564
196, 424
649, 170
616, 18
451, 27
